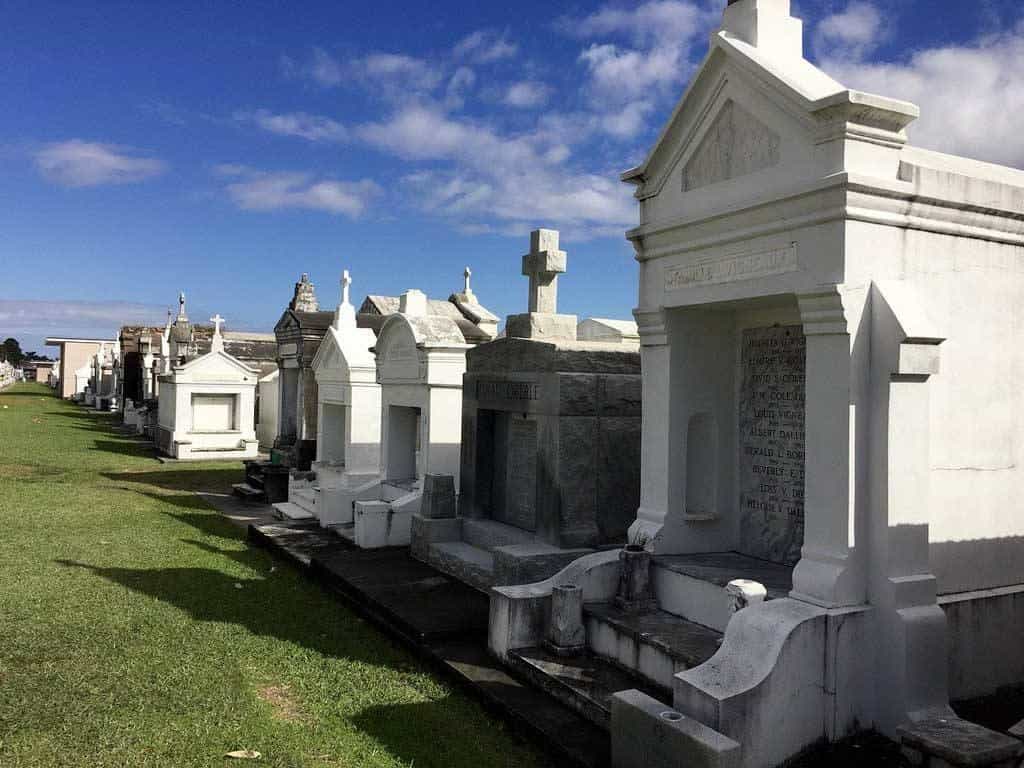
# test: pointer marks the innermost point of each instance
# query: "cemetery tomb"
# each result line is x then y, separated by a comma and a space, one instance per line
550, 454
207, 404
348, 444
75, 355
299, 333
817, 301
420, 358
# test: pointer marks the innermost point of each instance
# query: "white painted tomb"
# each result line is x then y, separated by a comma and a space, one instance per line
267, 395
207, 406
348, 461
830, 323
420, 359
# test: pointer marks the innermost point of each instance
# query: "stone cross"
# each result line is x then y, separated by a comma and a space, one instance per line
543, 264
346, 281
181, 306
467, 273
218, 341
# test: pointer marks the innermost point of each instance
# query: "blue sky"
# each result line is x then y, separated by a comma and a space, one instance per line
224, 148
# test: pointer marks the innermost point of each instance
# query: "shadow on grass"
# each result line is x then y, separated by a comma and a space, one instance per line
266, 607
126, 448
193, 478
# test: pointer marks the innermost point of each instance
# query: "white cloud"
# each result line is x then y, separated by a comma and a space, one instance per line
78, 163
255, 190
31, 321
300, 124
484, 47
656, 22
638, 56
521, 180
526, 94
390, 67
971, 96
852, 33
458, 85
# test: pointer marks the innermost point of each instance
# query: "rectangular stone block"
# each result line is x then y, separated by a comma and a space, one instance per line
647, 733
426, 531
438, 496
541, 325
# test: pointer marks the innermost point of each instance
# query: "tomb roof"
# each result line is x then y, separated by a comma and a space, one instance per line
383, 306
318, 320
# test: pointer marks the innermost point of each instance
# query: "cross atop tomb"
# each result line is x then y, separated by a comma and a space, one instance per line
543, 264
345, 314
466, 274
181, 307
346, 281
217, 344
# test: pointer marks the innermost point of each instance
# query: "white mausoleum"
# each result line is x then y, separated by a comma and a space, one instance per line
207, 406
830, 321
348, 458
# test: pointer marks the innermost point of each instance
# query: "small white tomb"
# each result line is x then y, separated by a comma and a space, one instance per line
207, 406
348, 460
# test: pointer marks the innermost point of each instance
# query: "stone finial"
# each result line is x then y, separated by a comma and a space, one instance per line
181, 307
543, 264
304, 298
413, 303
766, 25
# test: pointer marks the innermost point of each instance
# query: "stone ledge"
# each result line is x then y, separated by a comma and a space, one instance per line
941, 738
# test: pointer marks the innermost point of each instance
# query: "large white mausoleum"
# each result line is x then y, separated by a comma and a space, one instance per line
830, 321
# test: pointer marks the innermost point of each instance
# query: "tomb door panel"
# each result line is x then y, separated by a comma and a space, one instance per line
515, 487
213, 413
332, 433
403, 442
771, 443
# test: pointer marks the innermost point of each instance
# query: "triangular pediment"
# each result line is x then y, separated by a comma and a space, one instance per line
287, 322
216, 365
737, 117
735, 145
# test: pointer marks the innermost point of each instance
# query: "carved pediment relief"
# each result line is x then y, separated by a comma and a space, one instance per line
737, 144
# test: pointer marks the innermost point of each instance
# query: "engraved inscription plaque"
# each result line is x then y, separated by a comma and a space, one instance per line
771, 443
521, 487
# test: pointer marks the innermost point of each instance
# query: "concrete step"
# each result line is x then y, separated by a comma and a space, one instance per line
693, 586
248, 492
488, 534
287, 511
347, 531
467, 563
939, 737
584, 683
305, 498
655, 645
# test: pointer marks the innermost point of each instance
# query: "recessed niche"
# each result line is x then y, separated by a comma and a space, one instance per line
701, 467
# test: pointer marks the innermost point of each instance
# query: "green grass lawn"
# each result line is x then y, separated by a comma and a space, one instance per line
137, 628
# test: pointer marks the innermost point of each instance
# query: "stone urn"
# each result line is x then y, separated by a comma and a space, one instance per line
636, 592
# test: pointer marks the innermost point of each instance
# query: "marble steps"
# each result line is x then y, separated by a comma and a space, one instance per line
467, 563
489, 534
583, 683
693, 586
286, 510
655, 644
